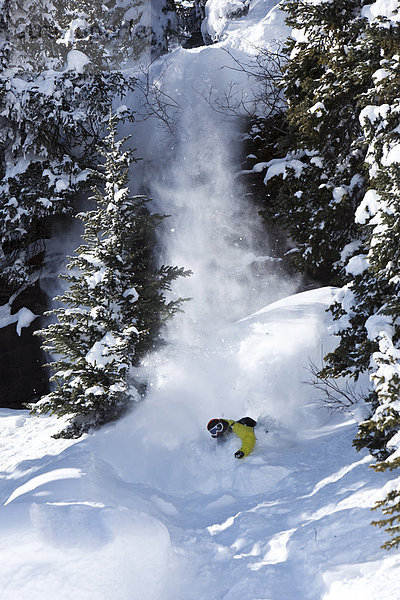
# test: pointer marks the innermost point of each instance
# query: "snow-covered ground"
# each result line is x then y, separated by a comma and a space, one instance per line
151, 508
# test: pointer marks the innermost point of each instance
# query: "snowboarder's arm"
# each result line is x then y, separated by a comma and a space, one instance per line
247, 436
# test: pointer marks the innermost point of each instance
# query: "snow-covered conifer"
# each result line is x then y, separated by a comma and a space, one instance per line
118, 33
54, 104
113, 308
367, 310
339, 196
329, 65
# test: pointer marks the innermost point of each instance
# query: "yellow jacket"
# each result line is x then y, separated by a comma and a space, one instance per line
246, 434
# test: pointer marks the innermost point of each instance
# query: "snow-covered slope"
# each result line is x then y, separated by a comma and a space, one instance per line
150, 508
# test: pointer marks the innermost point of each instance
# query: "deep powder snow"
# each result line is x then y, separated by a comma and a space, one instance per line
151, 508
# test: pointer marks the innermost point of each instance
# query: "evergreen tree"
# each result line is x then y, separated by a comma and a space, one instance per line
368, 305
114, 306
61, 71
329, 65
53, 105
339, 196
117, 33
367, 309
381, 211
373, 335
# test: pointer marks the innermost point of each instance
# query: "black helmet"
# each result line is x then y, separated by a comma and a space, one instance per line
218, 427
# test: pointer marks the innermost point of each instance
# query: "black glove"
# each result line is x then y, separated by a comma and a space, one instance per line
239, 454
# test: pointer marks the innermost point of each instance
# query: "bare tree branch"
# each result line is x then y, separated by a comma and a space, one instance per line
336, 397
154, 102
266, 97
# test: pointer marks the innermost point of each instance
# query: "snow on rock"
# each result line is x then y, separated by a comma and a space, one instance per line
246, 25
23, 318
6, 318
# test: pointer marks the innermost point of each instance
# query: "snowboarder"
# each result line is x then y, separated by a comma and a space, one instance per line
244, 429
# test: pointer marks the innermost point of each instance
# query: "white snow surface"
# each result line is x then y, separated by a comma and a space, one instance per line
388, 9
150, 507
263, 24
76, 61
368, 207
23, 318
357, 264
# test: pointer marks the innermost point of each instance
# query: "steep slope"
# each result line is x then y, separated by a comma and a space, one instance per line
150, 507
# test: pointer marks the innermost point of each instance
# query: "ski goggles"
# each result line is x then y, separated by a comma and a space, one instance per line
218, 428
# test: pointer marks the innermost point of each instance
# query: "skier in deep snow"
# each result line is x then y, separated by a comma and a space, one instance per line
244, 429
